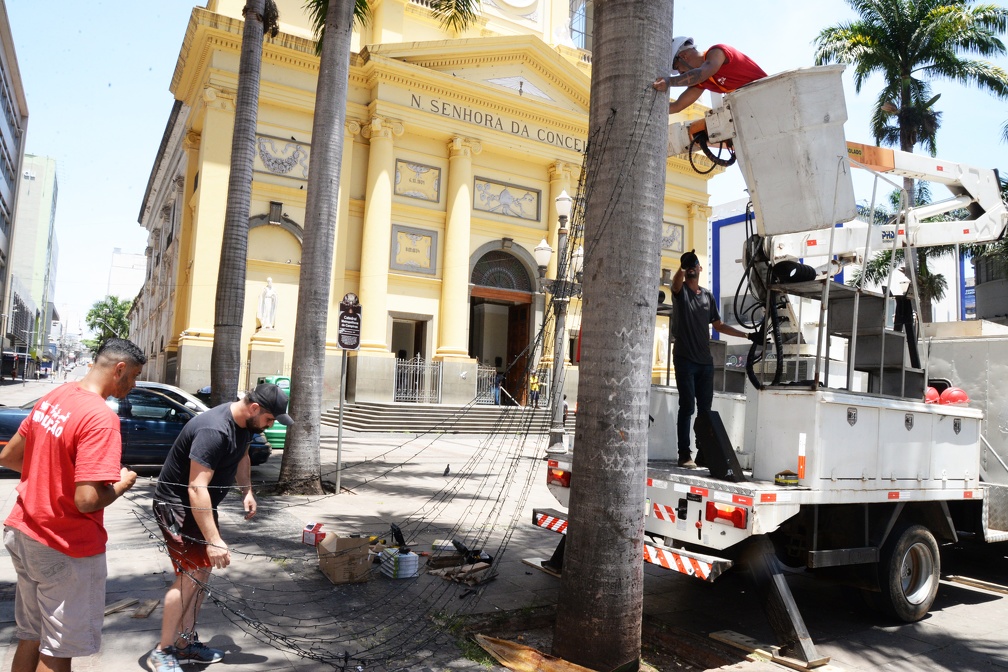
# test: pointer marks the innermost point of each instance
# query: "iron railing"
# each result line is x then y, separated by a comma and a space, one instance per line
418, 381
485, 375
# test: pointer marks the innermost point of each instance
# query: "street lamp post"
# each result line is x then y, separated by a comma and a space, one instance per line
561, 288
24, 369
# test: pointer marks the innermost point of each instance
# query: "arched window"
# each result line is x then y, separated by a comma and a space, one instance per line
582, 23
502, 270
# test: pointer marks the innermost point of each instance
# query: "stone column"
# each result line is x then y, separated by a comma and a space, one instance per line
453, 339
377, 238
333, 354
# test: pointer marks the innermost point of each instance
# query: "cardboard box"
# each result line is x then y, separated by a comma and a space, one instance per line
312, 534
344, 559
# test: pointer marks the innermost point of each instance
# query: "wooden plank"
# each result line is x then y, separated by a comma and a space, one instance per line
146, 608
120, 605
977, 583
765, 652
522, 658
538, 564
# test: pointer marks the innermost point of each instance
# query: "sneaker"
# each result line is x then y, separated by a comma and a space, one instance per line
687, 463
198, 652
162, 661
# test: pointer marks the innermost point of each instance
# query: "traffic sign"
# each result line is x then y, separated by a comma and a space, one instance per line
348, 333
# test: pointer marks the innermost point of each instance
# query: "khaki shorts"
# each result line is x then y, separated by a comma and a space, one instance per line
60, 600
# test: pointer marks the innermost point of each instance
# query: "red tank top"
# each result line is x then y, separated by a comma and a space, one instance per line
738, 70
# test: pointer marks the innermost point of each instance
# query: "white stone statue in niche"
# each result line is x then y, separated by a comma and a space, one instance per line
266, 313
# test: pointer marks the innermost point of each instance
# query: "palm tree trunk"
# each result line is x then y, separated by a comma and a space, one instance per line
601, 600
300, 470
917, 261
229, 307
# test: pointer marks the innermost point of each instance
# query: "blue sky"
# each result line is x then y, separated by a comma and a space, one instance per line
779, 37
96, 77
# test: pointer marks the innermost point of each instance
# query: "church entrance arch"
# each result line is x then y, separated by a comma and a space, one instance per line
501, 316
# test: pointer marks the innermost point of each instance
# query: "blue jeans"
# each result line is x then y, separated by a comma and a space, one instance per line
696, 389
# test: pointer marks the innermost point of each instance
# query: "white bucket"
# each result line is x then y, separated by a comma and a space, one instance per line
790, 144
398, 565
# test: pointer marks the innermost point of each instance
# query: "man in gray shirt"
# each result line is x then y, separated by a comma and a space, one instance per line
696, 311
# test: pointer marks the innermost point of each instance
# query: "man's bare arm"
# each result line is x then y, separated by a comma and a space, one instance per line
12, 455
91, 496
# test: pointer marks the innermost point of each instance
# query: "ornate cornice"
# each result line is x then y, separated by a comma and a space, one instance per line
216, 98
383, 127
192, 141
500, 106
560, 170
460, 146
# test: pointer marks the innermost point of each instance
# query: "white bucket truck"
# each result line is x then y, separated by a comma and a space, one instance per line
862, 482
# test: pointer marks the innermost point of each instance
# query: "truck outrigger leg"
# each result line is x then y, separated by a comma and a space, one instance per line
779, 605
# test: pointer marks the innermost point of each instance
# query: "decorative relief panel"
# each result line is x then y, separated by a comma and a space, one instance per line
505, 199
414, 250
286, 158
416, 180
672, 236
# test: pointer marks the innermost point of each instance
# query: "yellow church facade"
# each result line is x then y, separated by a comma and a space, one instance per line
455, 150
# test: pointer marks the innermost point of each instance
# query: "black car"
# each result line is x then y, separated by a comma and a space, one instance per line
149, 421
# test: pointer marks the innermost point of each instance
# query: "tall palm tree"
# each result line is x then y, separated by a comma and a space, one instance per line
225, 359
911, 43
601, 598
333, 22
108, 318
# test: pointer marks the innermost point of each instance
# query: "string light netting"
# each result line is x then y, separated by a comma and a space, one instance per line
274, 591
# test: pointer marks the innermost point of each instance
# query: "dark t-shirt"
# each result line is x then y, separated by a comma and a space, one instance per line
694, 315
212, 439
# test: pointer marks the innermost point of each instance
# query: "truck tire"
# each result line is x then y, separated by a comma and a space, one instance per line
909, 569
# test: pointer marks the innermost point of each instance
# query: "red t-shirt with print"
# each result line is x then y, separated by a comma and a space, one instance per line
71, 436
737, 70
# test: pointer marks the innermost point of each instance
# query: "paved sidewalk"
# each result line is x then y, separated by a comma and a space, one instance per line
275, 599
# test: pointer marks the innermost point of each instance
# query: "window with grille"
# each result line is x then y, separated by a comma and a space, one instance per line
500, 269
582, 23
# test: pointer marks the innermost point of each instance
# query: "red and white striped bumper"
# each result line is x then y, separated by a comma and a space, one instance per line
690, 563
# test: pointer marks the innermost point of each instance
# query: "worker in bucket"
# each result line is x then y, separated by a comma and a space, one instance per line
696, 312
721, 69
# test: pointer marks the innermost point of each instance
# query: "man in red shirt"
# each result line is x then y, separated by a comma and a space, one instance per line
722, 69
68, 452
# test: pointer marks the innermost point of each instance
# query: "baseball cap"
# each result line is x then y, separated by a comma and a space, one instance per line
273, 400
689, 260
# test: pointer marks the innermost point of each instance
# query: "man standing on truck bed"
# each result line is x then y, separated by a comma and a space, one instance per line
695, 309
721, 69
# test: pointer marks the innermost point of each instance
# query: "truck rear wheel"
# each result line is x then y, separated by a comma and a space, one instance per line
909, 569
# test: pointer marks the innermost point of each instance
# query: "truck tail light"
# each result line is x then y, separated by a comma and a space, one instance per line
558, 476
726, 514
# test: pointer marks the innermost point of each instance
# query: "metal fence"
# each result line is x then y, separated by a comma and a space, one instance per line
485, 375
418, 381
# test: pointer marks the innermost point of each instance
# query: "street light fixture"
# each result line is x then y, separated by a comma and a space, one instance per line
562, 288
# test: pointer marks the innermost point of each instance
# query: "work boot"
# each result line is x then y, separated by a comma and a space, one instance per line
687, 462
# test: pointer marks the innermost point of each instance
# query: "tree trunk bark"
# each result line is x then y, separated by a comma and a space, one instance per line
300, 469
229, 306
601, 600
906, 144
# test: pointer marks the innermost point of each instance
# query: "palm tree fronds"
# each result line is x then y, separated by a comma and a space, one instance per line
456, 14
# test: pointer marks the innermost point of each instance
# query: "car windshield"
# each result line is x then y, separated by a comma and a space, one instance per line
176, 393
